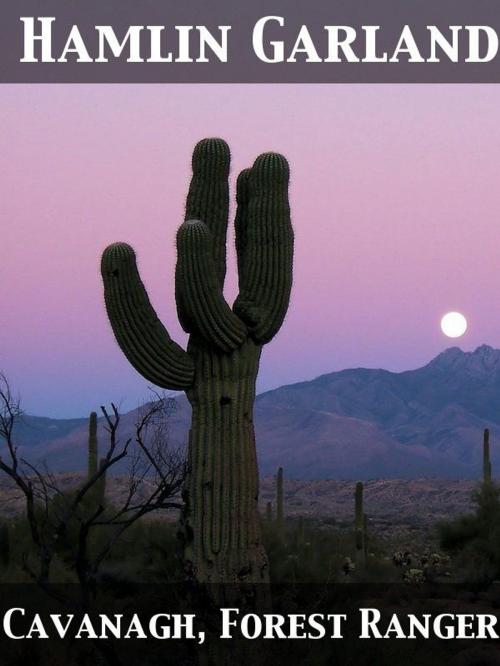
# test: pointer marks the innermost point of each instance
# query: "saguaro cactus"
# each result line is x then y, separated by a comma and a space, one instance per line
219, 369
486, 457
365, 535
92, 446
280, 515
99, 490
359, 526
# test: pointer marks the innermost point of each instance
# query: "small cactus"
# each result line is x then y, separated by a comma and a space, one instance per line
365, 534
414, 576
269, 512
99, 488
486, 457
348, 566
359, 527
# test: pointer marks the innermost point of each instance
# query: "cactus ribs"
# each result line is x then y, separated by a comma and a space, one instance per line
219, 369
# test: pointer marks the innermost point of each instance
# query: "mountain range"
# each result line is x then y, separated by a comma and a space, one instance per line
353, 424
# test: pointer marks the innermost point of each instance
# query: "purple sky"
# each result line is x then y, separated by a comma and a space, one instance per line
396, 204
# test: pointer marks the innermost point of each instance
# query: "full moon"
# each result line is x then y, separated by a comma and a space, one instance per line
453, 324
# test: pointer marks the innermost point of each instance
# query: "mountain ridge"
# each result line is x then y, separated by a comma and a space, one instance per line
353, 423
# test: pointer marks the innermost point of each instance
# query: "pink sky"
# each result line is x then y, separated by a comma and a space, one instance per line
396, 203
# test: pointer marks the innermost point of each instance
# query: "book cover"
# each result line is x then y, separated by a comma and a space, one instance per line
249, 341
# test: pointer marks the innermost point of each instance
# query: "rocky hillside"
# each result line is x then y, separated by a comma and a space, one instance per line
419, 503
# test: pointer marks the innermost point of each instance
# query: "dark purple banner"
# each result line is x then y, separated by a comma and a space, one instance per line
272, 41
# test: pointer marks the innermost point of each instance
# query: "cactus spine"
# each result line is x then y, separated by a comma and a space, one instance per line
486, 457
360, 527
219, 369
280, 516
92, 461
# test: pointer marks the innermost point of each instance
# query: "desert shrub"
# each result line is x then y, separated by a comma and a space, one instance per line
305, 552
4, 545
147, 551
153, 553
313, 551
474, 539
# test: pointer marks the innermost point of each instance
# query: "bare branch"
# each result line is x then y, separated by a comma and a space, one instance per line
155, 476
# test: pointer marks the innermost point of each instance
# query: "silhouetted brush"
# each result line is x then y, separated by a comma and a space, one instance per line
101, 484
92, 445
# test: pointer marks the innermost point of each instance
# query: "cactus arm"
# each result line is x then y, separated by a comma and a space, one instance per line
140, 334
264, 246
201, 306
208, 196
241, 219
